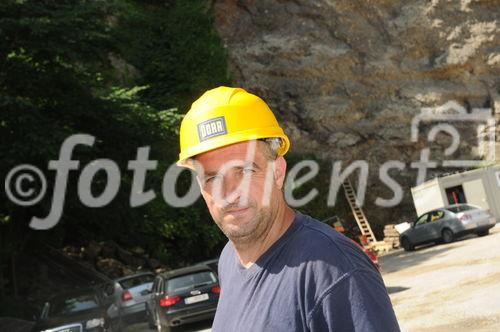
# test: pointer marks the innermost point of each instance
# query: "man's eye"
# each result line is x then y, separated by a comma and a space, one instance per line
248, 170
211, 178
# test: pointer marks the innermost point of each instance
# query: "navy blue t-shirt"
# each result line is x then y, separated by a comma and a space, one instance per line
311, 279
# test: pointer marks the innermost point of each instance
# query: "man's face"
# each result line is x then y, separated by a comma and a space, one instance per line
240, 188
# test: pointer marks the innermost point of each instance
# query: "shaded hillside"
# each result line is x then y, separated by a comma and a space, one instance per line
123, 72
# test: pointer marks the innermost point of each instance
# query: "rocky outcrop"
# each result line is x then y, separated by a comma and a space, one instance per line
346, 77
112, 260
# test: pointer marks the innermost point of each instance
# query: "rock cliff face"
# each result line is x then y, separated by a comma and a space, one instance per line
347, 77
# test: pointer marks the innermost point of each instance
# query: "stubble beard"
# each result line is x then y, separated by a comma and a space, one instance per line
252, 231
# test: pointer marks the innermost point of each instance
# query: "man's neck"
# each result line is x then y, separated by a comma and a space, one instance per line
249, 253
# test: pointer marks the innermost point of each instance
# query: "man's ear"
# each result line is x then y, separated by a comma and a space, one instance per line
279, 171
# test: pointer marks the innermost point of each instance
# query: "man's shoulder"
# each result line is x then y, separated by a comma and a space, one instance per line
314, 227
319, 243
316, 234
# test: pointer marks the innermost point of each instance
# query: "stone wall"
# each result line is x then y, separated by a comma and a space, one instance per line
347, 77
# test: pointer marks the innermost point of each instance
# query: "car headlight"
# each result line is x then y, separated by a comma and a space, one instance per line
94, 323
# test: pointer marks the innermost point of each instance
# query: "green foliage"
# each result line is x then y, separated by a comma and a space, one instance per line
58, 78
176, 48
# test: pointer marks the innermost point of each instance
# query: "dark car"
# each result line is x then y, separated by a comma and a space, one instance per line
130, 295
211, 263
82, 310
446, 224
183, 296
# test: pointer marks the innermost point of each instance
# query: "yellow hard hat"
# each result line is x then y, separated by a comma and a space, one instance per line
224, 116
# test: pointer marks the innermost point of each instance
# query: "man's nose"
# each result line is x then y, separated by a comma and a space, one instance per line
231, 191
228, 191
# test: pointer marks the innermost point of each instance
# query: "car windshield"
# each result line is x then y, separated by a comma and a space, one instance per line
136, 281
189, 281
461, 208
70, 305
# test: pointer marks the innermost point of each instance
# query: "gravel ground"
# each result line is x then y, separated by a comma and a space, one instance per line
448, 287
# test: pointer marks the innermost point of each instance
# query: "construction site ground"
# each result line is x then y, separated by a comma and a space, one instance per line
447, 287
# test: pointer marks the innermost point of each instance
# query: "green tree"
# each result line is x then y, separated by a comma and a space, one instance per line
57, 78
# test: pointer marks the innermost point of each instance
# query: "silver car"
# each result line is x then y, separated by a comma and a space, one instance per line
130, 294
446, 224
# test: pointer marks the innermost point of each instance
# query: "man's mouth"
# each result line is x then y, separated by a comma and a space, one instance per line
236, 212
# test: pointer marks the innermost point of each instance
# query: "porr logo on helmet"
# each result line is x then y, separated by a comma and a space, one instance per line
211, 128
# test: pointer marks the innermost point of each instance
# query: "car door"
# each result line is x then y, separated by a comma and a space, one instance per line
420, 232
435, 224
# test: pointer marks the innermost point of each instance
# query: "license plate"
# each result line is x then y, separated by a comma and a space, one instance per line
196, 298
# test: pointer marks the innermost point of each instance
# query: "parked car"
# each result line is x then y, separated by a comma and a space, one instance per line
82, 310
211, 263
183, 296
130, 295
447, 224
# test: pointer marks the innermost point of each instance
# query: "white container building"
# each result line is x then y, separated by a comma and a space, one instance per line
479, 187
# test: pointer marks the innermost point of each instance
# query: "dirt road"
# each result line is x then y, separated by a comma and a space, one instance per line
453, 287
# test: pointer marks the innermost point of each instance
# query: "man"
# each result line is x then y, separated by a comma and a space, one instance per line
281, 270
